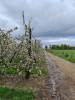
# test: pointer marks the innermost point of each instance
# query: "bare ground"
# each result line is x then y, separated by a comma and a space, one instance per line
61, 78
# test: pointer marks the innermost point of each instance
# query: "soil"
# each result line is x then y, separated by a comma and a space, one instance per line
62, 78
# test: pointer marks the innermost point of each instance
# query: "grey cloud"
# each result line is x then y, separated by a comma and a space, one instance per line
54, 18
58, 41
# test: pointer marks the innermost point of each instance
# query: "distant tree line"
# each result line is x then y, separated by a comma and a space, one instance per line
61, 47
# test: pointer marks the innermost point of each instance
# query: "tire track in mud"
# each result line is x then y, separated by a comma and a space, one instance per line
57, 82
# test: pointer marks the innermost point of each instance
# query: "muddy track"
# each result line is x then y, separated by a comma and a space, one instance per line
60, 86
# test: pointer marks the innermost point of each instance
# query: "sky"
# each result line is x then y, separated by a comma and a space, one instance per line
53, 21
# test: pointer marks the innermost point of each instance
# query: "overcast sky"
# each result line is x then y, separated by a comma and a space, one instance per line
53, 21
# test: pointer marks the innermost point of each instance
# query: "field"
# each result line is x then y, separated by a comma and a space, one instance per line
65, 54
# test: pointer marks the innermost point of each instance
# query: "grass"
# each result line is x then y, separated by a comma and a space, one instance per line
9, 70
39, 71
15, 94
66, 54
35, 71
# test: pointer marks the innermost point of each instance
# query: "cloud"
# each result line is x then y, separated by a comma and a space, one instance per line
58, 41
50, 18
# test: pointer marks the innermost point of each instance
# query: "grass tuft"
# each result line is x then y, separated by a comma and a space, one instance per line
15, 94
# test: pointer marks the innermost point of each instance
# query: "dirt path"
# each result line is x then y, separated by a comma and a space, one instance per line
61, 78
67, 67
